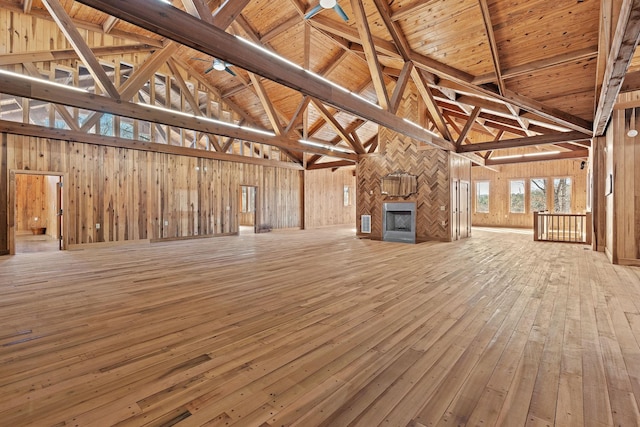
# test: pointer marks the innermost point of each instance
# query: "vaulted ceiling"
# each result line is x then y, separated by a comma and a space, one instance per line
491, 74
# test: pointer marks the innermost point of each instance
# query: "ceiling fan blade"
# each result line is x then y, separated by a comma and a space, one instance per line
200, 59
340, 12
230, 71
313, 12
208, 70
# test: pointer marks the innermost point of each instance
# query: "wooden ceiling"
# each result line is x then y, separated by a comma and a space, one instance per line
520, 72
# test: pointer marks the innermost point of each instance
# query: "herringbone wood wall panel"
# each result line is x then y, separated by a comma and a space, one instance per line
400, 153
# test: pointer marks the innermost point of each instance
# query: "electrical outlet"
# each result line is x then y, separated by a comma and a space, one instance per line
442, 207
228, 208
97, 226
166, 222
444, 223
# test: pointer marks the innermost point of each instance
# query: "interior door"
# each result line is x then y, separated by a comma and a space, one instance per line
60, 213
464, 223
455, 210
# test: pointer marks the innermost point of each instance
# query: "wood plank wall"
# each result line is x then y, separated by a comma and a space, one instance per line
324, 197
400, 153
499, 215
144, 195
623, 162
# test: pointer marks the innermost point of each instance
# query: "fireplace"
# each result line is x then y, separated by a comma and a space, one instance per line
399, 222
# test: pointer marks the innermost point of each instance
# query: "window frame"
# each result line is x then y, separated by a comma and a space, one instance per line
524, 195
477, 194
546, 194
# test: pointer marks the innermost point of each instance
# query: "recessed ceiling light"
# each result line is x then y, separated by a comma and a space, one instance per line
632, 133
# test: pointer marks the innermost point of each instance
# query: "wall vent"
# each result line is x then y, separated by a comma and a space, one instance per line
365, 223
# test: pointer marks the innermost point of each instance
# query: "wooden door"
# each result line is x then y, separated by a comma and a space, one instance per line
455, 208
464, 211
60, 213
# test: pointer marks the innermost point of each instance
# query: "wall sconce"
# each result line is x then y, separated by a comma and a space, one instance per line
632, 133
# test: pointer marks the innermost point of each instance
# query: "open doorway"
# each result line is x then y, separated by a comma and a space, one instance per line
247, 216
37, 222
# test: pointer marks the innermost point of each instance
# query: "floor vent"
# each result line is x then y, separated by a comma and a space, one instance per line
365, 223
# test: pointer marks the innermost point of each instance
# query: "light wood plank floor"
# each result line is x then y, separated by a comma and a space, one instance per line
318, 328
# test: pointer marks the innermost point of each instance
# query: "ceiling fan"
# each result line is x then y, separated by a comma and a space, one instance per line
217, 65
327, 4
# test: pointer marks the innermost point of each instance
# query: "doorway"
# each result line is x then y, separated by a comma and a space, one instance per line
36, 221
247, 220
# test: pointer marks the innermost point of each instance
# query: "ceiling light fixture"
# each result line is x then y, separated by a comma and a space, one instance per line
328, 4
632, 133
218, 65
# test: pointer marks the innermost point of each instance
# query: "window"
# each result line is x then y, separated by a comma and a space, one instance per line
562, 195
347, 199
516, 197
482, 196
538, 194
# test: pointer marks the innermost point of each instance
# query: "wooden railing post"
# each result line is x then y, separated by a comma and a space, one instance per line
589, 227
535, 226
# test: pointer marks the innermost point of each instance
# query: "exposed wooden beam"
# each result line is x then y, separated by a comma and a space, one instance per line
353, 127
401, 85
631, 82
329, 165
199, 9
467, 127
109, 23
623, 46
370, 53
282, 27
456, 76
537, 158
493, 46
605, 34
410, 8
33, 71
109, 141
540, 65
266, 104
68, 28
475, 158
430, 103
228, 12
26, 6
454, 126
61, 54
393, 29
346, 32
179, 26
337, 127
140, 76
230, 139
297, 115
21, 86
42, 14
212, 89
551, 138
195, 107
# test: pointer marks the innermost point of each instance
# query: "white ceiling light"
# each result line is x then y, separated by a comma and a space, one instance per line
328, 4
632, 133
218, 65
